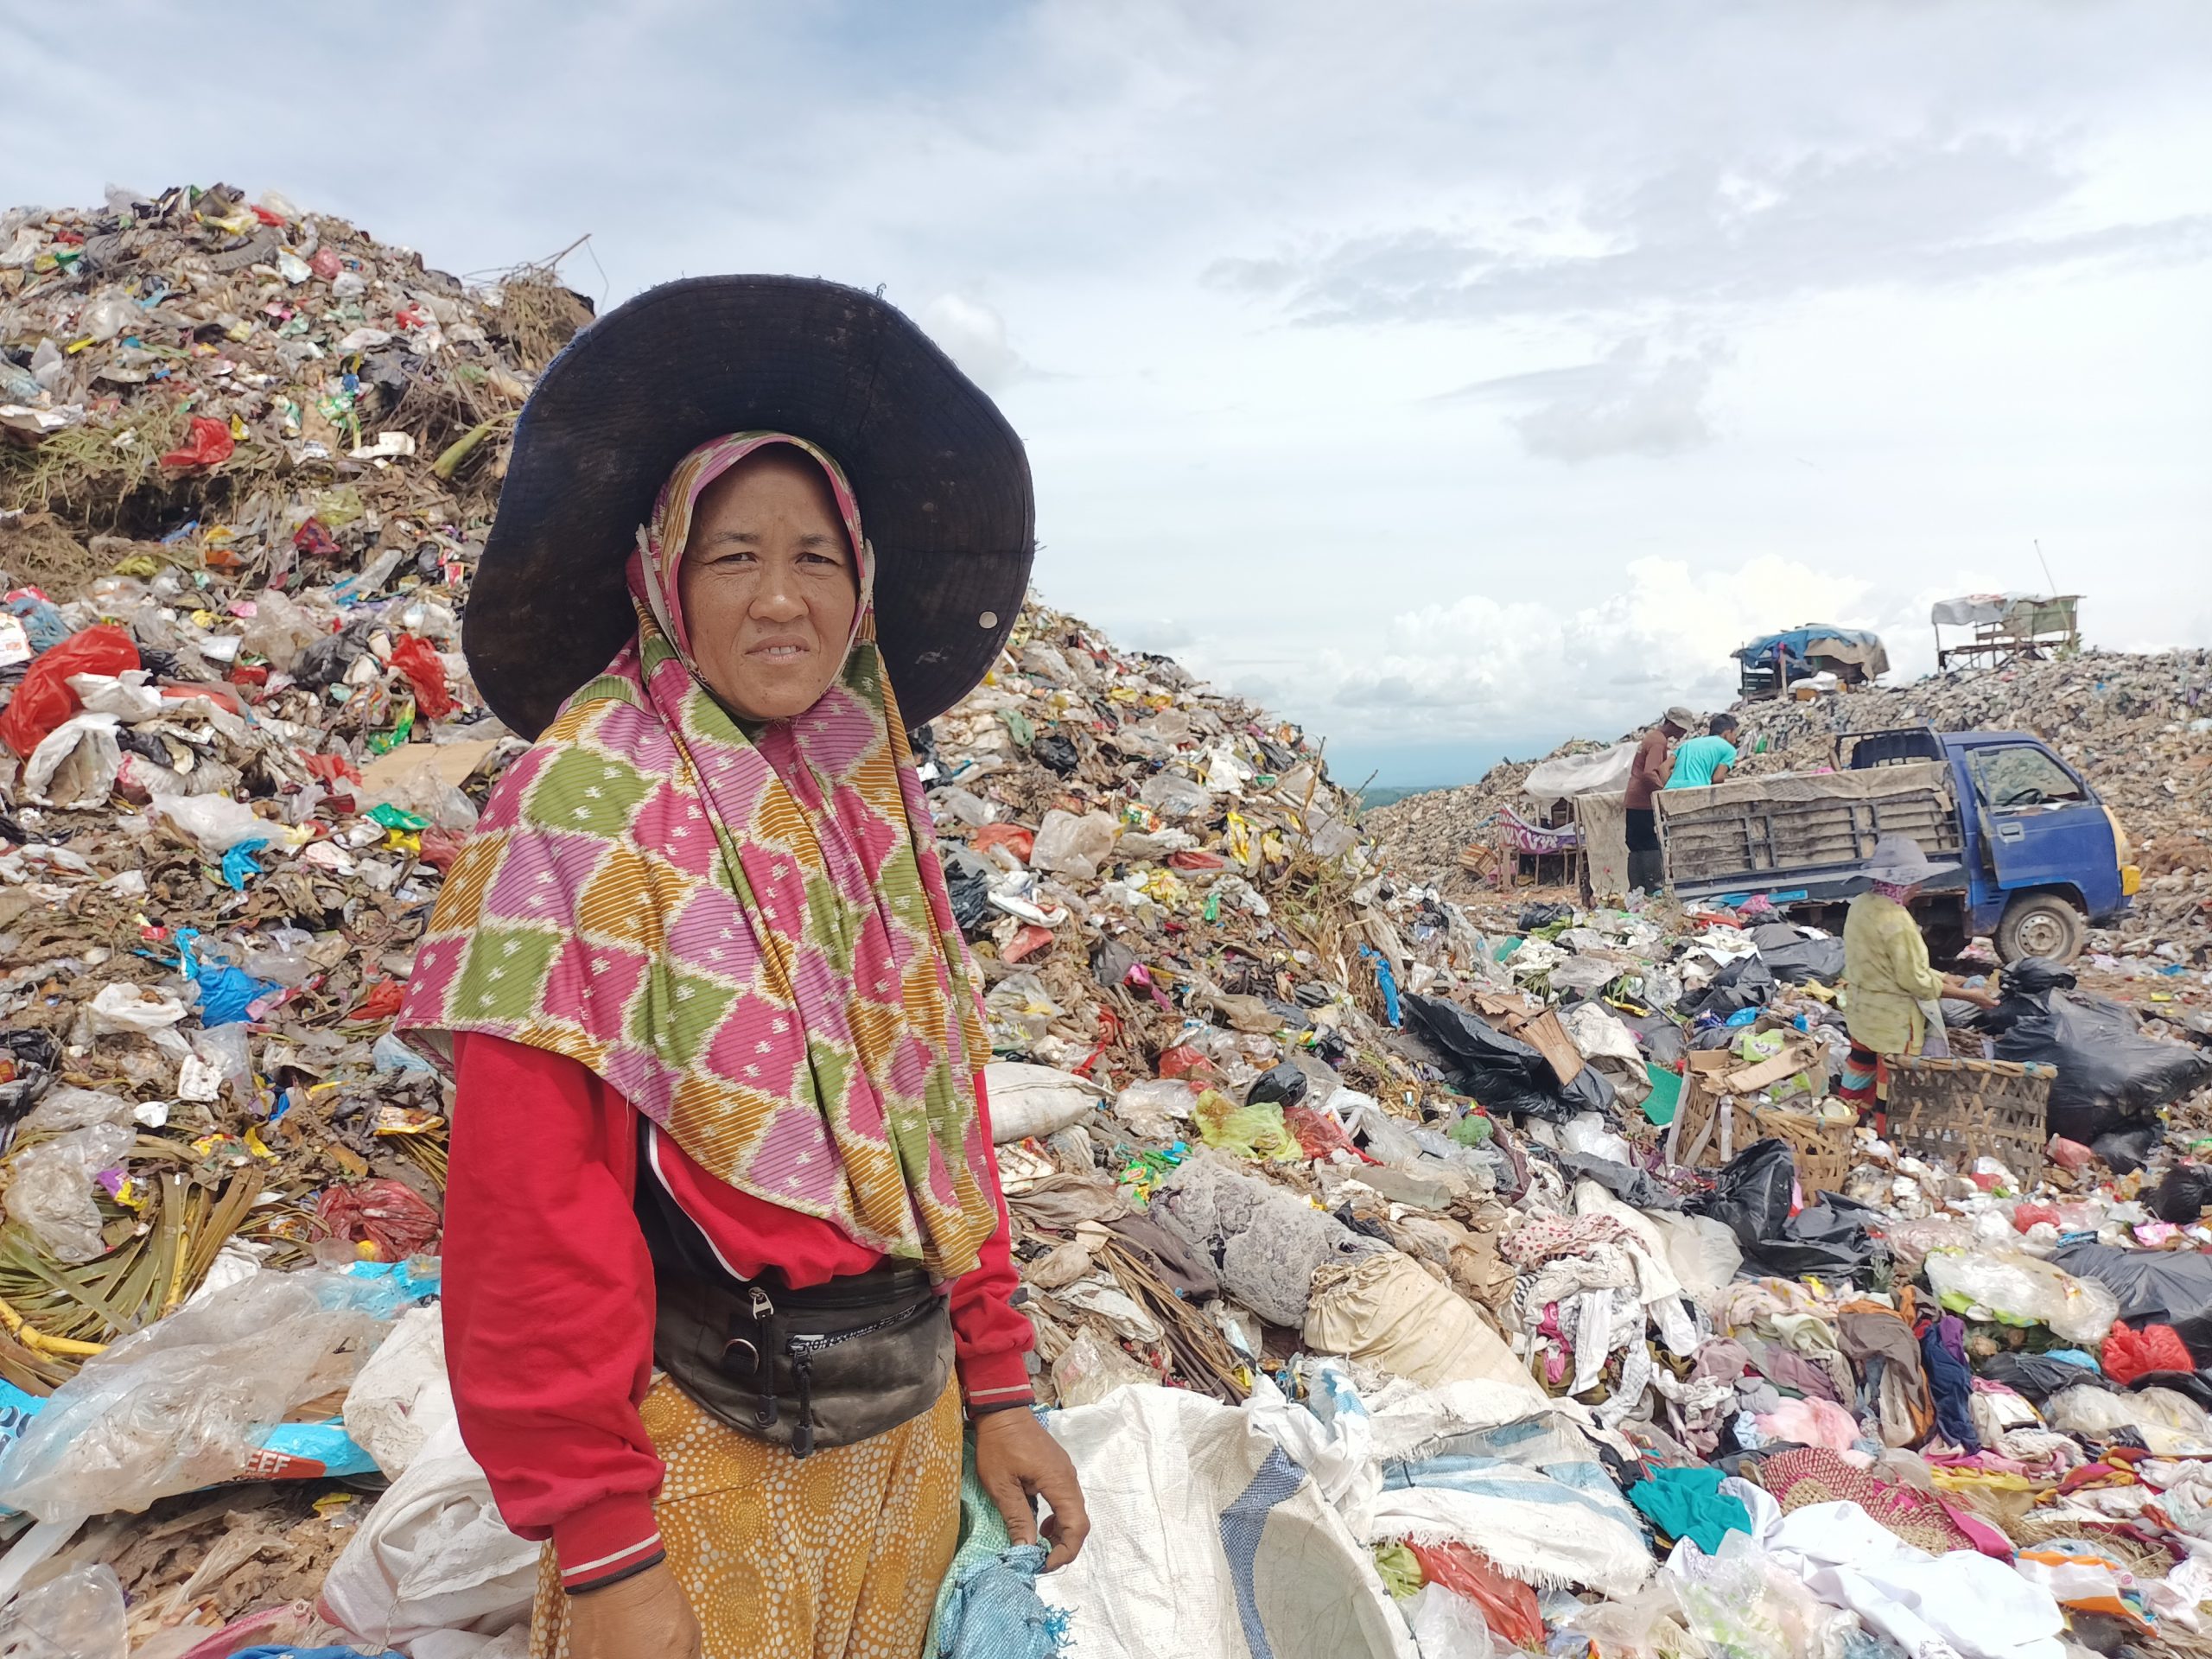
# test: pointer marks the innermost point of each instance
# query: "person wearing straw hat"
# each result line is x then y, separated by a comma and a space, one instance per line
725, 1261
1647, 776
1893, 994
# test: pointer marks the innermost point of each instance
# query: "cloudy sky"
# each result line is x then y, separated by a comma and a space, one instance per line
1454, 376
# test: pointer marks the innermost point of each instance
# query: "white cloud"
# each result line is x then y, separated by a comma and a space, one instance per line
973, 336
1622, 404
1594, 664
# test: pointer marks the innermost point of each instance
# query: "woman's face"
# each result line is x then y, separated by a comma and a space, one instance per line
769, 585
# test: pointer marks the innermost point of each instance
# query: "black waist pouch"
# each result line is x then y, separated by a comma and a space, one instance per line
828, 1365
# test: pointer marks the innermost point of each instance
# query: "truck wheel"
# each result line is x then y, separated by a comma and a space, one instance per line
2041, 924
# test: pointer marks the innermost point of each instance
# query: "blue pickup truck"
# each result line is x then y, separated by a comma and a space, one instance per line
2041, 858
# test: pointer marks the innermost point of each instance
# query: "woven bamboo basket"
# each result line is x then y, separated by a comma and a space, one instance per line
1822, 1151
1955, 1111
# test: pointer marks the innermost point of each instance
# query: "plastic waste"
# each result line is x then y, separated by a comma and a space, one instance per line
78, 1615
2015, 1288
1154, 1107
2150, 1286
1255, 1131
174, 1406
280, 630
214, 823
1173, 795
1503, 1073
50, 1188
1751, 1197
130, 1007
2109, 1070
43, 700
1446, 1626
1285, 1084
1071, 846
75, 764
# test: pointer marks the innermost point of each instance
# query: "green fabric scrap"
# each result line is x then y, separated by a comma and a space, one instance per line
1689, 1503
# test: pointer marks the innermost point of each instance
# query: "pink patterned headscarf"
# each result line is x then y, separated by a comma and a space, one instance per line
746, 934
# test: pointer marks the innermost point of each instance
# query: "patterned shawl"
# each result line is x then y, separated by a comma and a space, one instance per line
744, 933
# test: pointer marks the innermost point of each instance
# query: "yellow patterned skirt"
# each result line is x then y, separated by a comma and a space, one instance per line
838, 1555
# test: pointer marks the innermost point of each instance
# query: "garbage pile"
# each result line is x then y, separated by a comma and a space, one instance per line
1408, 1278
2138, 726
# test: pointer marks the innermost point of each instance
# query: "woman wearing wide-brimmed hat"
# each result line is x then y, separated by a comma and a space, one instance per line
725, 1257
1894, 994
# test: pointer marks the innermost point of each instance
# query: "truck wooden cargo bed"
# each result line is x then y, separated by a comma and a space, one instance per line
1797, 829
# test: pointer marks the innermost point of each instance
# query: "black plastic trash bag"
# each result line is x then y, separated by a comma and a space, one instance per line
1503, 1073
1286, 1083
1536, 916
968, 884
1750, 1198
1056, 752
2038, 1376
2182, 1194
2109, 1073
2130, 1146
1802, 959
1632, 1186
2154, 1286
1662, 1037
1748, 983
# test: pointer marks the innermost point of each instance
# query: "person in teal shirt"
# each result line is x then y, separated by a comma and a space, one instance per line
1705, 759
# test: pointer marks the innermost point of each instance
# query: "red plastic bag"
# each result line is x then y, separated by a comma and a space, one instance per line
209, 445
2025, 1215
314, 539
2130, 1354
418, 660
1318, 1135
1184, 1061
389, 1216
44, 700
1012, 836
1508, 1605
380, 1000
1026, 944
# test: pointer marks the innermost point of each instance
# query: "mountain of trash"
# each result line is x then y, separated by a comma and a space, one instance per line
1410, 1277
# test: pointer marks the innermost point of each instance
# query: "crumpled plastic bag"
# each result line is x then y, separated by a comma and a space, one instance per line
75, 764
79, 1615
2018, 1289
1071, 846
43, 699
1256, 1131
178, 1405
1446, 1626
1503, 1073
50, 1188
2130, 1354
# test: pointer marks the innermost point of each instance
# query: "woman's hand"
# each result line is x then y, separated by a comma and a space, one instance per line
644, 1616
1016, 1460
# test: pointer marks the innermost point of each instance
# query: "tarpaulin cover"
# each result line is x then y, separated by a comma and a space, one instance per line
1802, 647
1503, 1073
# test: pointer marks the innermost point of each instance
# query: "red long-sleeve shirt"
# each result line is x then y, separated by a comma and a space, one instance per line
548, 1296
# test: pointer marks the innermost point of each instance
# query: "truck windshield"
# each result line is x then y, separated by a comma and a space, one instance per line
2015, 778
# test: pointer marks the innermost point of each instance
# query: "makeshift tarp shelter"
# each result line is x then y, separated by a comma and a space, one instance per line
1771, 663
2006, 626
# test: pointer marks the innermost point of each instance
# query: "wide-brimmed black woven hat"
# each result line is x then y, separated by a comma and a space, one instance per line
941, 481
